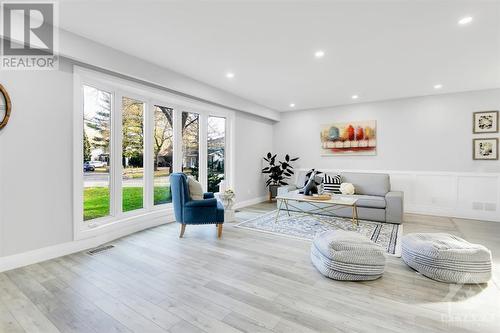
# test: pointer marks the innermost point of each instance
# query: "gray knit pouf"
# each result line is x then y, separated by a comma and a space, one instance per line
447, 258
347, 255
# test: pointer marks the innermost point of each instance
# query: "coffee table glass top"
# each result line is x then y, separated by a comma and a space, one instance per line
335, 200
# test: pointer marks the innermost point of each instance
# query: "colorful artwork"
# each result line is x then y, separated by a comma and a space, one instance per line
353, 138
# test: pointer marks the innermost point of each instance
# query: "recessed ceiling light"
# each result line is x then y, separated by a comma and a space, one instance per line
229, 75
319, 54
465, 20
354, 96
438, 86
292, 105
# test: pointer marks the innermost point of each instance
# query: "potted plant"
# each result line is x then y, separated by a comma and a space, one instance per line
277, 172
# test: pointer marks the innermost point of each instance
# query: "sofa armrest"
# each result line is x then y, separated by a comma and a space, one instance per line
282, 190
212, 202
208, 195
394, 207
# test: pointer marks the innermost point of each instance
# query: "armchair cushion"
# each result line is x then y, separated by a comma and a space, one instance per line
195, 189
212, 202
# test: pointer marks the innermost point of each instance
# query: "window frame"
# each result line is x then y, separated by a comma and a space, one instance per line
226, 150
151, 96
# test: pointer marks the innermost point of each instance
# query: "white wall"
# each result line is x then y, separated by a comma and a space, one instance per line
425, 143
254, 137
36, 164
431, 133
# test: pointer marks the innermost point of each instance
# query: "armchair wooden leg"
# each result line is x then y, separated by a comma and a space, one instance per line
219, 230
183, 228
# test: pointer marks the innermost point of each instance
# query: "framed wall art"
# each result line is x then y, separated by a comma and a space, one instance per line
485, 122
350, 138
5, 107
485, 149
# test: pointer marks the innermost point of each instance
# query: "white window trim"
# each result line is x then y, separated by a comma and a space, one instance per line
150, 96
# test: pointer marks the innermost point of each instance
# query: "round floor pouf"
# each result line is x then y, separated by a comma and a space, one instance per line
348, 256
447, 258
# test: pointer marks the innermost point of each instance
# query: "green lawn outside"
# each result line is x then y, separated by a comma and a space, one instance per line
96, 200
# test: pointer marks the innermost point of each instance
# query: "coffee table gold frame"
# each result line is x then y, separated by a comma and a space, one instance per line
327, 207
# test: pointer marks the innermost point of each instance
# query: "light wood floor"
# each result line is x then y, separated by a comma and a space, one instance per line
248, 281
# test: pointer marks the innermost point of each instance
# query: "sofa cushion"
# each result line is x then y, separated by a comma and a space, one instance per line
302, 178
368, 183
369, 201
332, 183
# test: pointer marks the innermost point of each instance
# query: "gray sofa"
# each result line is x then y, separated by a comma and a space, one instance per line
376, 201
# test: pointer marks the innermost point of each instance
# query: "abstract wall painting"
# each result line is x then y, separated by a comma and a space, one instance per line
351, 138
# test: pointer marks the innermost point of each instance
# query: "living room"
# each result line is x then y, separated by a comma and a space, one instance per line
271, 166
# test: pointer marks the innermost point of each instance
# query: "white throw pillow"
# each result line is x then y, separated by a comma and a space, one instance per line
347, 188
195, 189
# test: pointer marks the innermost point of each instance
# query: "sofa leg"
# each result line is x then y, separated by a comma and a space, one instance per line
219, 230
183, 228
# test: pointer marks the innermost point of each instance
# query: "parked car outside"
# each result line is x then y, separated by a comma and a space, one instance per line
88, 167
98, 164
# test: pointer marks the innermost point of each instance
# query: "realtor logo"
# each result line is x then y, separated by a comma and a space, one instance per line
29, 38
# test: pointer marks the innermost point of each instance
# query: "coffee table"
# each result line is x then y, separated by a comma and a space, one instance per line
323, 207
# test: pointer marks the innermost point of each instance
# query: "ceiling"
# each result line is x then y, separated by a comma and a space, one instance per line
377, 50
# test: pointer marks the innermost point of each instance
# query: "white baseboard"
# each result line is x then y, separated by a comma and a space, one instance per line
254, 201
50, 252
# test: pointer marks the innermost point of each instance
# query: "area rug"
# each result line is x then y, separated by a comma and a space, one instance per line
306, 227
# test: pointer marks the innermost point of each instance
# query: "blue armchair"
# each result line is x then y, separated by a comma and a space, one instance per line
188, 211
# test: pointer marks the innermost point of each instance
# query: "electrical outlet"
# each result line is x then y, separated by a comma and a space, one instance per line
491, 207
477, 206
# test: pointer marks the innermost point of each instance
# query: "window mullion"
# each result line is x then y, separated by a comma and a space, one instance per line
203, 151
177, 152
116, 167
148, 155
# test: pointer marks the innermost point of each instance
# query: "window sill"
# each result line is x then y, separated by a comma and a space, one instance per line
126, 224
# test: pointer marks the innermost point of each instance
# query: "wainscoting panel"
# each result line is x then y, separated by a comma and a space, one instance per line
457, 194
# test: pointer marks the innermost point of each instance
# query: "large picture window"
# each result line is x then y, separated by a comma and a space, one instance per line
96, 152
130, 138
216, 152
132, 154
190, 144
163, 153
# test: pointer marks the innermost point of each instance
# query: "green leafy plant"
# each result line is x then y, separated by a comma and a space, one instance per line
278, 171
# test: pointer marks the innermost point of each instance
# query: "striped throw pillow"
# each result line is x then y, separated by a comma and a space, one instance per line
332, 183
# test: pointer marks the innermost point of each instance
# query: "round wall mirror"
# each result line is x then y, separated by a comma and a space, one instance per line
5, 107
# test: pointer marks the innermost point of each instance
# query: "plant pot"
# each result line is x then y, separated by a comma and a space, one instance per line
273, 191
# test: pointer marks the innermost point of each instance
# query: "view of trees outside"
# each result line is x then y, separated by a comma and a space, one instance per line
162, 153
96, 152
190, 143
216, 142
133, 154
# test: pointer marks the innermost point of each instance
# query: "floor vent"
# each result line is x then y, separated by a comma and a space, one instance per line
99, 249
